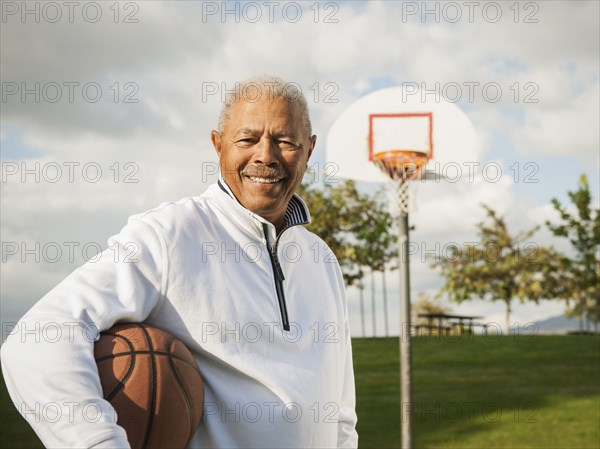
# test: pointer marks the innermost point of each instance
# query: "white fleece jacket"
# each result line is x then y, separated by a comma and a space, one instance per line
202, 270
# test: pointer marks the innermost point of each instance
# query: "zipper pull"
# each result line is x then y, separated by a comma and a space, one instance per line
278, 269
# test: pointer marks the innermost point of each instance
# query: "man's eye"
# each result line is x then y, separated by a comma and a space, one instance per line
287, 143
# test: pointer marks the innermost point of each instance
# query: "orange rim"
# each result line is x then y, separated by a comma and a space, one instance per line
401, 164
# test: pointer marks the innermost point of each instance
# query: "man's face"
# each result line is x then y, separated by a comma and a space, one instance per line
263, 154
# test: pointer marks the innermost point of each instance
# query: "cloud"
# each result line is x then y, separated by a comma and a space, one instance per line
172, 56
569, 129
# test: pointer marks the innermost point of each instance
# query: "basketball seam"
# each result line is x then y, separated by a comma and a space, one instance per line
123, 354
152, 387
188, 401
153, 381
122, 381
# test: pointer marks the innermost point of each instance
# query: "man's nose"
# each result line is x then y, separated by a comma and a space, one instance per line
266, 152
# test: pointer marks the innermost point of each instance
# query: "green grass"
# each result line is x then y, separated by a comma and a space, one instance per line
483, 392
15, 432
469, 392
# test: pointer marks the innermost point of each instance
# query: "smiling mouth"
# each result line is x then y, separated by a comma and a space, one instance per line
263, 180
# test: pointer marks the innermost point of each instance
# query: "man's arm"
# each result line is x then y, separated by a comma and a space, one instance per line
347, 435
48, 360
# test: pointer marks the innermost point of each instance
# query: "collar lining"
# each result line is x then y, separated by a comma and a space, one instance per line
295, 214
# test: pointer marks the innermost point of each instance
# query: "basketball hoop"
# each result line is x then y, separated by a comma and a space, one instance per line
414, 132
401, 166
395, 132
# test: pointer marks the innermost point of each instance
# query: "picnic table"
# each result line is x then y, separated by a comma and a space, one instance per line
445, 324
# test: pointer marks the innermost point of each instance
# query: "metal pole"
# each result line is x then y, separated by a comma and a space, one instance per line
405, 332
385, 309
362, 310
373, 304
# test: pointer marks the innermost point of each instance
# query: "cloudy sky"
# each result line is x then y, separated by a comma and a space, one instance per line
107, 109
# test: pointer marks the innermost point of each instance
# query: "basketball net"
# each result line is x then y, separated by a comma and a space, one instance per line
401, 166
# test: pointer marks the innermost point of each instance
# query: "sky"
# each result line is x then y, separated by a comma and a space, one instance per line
107, 109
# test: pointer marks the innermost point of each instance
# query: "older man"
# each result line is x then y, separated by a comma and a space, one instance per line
230, 273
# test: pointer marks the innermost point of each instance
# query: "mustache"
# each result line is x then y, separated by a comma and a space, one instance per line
266, 172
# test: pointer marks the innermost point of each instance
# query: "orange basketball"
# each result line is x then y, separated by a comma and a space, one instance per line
153, 382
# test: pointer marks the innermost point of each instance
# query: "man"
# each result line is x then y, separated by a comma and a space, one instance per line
230, 273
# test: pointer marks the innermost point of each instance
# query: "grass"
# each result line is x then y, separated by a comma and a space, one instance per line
483, 392
468, 392
16, 433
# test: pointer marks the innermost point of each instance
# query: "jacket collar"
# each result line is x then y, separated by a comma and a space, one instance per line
296, 213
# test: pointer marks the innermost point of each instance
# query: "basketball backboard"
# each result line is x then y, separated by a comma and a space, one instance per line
396, 119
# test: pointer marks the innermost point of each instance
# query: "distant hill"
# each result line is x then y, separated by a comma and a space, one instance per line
557, 325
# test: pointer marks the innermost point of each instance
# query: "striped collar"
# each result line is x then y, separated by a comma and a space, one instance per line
296, 213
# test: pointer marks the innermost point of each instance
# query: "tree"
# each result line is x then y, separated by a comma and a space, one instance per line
499, 267
357, 228
375, 244
426, 304
334, 211
580, 274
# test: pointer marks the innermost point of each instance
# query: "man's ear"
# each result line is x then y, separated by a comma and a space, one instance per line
313, 142
215, 138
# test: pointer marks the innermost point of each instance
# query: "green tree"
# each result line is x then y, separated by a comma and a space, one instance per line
376, 244
580, 274
334, 212
426, 304
357, 228
500, 267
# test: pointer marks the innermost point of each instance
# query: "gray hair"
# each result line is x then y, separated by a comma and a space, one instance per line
255, 88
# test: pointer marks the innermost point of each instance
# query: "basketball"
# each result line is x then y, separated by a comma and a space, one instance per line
154, 384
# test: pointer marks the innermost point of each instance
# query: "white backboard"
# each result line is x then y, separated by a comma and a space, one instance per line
393, 132
453, 135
